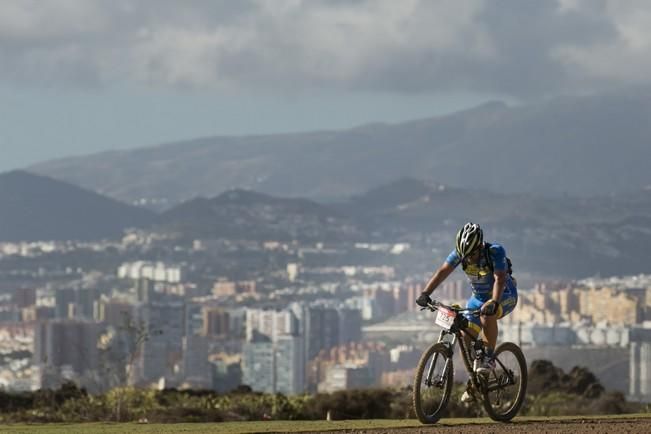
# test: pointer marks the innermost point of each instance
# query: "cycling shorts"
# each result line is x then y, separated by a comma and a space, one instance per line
507, 304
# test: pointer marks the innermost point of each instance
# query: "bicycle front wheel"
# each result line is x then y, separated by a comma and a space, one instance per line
433, 383
505, 387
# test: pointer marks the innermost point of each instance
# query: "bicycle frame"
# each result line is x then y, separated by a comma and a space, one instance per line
457, 337
456, 332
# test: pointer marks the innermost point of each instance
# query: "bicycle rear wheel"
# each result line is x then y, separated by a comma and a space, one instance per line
505, 387
433, 383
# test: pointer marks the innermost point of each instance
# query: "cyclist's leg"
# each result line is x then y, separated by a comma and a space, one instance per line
470, 334
474, 323
489, 328
509, 299
489, 323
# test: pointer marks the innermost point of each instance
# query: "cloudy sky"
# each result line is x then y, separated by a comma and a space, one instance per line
79, 76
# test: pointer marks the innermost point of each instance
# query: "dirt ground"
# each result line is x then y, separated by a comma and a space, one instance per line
603, 426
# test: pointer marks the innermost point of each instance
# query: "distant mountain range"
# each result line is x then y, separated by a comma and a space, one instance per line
564, 236
593, 145
34, 207
240, 214
39, 208
421, 206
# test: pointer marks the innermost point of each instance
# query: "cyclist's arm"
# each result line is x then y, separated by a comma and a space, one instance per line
498, 256
439, 276
499, 285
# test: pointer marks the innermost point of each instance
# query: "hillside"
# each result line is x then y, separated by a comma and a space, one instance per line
38, 208
240, 214
562, 236
566, 235
580, 146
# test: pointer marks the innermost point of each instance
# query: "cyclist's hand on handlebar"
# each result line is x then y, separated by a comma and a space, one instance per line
423, 300
490, 307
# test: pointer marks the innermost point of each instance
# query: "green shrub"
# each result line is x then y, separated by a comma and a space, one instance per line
551, 393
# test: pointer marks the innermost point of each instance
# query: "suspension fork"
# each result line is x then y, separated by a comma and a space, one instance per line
450, 344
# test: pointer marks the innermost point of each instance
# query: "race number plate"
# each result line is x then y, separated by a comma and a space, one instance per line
445, 318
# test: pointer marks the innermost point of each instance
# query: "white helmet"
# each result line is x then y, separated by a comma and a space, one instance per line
469, 238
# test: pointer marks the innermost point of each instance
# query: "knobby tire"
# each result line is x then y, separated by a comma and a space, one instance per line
505, 416
443, 353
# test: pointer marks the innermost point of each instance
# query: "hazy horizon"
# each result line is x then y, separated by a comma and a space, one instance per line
272, 116
90, 76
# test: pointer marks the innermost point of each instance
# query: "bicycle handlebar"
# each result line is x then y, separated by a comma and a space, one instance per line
434, 305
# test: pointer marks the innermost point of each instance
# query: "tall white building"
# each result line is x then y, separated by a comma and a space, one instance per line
197, 370
273, 359
258, 366
281, 343
274, 367
290, 365
160, 330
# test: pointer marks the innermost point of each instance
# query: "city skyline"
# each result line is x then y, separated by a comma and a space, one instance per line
255, 197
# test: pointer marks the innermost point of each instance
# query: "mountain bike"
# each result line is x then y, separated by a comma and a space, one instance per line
501, 391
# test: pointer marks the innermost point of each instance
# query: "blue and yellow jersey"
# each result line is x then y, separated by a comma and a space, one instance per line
480, 273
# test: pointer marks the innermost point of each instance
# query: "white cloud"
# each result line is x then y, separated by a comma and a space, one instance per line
35, 22
625, 58
507, 46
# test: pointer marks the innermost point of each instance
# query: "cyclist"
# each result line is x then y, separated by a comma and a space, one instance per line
494, 291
